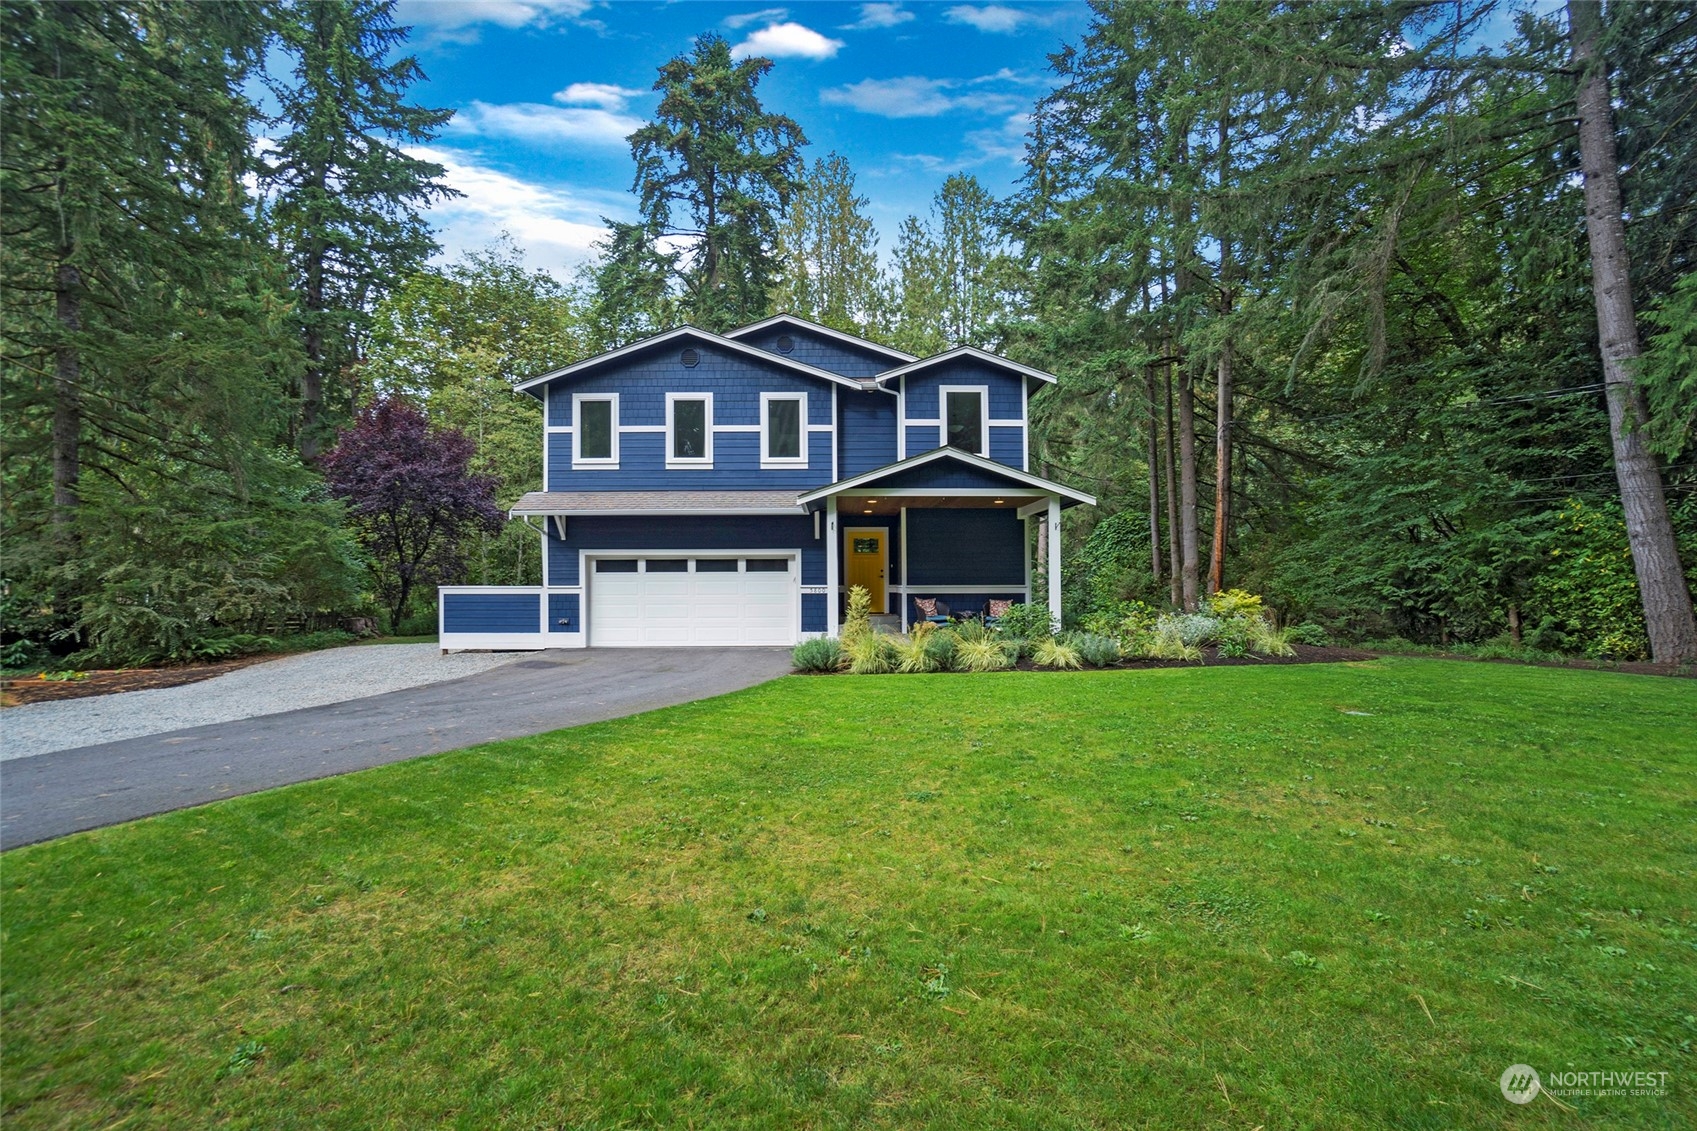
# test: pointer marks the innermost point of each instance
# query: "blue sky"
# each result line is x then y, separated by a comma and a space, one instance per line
546, 90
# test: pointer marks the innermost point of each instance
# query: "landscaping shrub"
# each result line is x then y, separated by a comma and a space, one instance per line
1192, 628
913, 654
1308, 633
940, 649
984, 655
820, 655
1269, 641
1027, 621
1097, 650
1057, 654
858, 622
871, 653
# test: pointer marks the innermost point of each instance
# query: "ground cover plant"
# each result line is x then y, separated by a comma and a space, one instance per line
1342, 895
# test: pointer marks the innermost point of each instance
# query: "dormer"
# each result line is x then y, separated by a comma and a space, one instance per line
966, 399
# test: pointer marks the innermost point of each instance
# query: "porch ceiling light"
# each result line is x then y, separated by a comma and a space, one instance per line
999, 502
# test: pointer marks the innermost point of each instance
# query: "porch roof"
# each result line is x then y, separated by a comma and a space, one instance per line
656, 502
990, 480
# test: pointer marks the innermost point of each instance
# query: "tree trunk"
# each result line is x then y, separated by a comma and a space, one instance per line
1222, 468
67, 400
1668, 613
1152, 450
1191, 566
1173, 566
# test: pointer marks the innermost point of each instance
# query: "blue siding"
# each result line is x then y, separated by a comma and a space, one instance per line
1007, 445
965, 547
822, 352
945, 473
736, 382
491, 612
867, 425
1007, 402
563, 606
922, 438
685, 532
813, 612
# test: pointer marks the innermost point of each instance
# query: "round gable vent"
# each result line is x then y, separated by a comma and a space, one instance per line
691, 358
785, 343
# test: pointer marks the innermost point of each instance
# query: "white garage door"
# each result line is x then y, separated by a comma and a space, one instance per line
643, 602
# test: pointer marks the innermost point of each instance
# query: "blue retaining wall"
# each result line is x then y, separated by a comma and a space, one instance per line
491, 612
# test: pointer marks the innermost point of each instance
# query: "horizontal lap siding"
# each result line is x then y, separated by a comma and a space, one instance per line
965, 547
867, 426
491, 612
563, 606
1007, 402
736, 382
813, 612
685, 532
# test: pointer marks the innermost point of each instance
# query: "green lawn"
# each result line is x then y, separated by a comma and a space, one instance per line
1299, 896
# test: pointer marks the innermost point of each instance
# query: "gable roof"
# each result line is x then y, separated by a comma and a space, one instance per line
706, 337
823, 331
967, 352
977, 462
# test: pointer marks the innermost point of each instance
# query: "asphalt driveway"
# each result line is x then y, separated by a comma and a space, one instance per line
67, 791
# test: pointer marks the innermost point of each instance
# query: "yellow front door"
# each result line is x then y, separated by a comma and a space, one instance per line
864, 562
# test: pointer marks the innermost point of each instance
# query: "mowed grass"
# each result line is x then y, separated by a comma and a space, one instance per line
1323, 896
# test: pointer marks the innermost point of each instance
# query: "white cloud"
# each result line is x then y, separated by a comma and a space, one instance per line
602, 94
914, 96
456, 21
787, 41
876, 16
540, 124
765, 15
556, 227
994, 18
1002, 143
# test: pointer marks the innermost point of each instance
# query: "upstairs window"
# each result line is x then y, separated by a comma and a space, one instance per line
963, 419
689, 429
595, 430
783, 429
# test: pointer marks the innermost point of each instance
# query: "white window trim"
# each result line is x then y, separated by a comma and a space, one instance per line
578, 459
769, 461
705, 461
983, 393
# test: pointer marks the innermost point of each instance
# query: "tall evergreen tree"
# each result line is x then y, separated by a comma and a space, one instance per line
342, 193
714, 172
829, 251
916, 308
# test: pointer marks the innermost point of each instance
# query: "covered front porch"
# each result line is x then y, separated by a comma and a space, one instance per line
944, 525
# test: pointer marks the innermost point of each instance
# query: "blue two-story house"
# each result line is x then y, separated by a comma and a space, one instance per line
707, 489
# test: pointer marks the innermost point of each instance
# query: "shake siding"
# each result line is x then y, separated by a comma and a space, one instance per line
922, 438
965, 547
1007, 390
685, 532
1007, 445
867, 424
813, 612
735, 381
822, 353
491, 612
944, 472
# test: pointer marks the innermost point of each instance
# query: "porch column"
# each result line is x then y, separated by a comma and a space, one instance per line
1053, 526
831, 580
904, 570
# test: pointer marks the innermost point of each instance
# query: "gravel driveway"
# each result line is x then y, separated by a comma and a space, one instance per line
312, 679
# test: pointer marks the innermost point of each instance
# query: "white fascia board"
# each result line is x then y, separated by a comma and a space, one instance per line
824, 331
974, 353
706, 336
796, 511
1044, 486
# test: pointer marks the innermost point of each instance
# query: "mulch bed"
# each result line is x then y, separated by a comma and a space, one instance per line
16, 692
